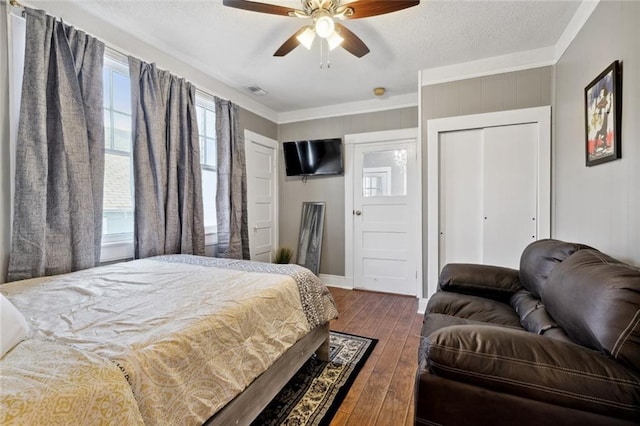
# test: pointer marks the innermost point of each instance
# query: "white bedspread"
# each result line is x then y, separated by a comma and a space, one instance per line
188, 337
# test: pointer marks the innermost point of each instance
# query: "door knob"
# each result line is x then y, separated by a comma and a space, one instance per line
358, 212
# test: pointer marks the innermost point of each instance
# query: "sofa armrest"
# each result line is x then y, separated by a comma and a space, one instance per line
494, 282
535, 367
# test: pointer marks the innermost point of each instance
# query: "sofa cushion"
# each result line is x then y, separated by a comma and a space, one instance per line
434, 322
540, 258
535, 318
494, 282
532, 366
596, 300
472, 308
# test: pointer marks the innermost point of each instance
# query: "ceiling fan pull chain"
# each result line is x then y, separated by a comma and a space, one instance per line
321, 56
328, 56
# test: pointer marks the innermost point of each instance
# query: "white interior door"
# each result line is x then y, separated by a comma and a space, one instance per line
385, 216
262, 195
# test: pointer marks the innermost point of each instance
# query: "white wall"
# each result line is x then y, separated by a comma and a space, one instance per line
599, 205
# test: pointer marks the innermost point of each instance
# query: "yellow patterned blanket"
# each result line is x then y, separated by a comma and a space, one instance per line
46, 383
188, 333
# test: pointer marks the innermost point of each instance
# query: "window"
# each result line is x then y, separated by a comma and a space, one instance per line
207, 132
117, 217
118, 209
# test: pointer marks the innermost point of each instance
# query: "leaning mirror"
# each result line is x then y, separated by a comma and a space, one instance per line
310, 240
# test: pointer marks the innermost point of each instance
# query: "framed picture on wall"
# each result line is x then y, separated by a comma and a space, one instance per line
602, 102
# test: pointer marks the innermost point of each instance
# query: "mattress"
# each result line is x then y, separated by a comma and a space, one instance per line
188, 333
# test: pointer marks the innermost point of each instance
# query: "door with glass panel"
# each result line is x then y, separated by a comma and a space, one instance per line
385, 217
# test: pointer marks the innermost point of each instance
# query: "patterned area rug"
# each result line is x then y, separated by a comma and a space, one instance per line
314, 394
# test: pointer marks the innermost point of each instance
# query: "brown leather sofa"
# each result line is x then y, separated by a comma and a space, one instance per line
555, 343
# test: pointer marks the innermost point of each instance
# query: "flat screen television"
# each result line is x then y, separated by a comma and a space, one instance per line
313, 157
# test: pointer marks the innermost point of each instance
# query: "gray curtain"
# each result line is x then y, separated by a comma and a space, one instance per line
57, 222
166, 164
231, 195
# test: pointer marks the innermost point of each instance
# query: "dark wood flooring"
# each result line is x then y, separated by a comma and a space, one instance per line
383, 391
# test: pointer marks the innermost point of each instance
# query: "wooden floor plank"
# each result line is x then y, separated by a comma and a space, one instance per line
373, 395
382, 394
408, 380
354, 311
374, 328
394, 408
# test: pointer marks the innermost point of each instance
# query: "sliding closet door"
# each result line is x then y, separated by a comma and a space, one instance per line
509, 193
461, 196
488, 194
488, 187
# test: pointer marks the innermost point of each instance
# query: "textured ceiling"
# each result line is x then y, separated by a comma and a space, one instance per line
236, 47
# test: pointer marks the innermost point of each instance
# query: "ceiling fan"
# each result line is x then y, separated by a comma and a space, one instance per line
324, 14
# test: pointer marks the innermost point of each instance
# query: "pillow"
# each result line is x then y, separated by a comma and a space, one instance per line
13, 326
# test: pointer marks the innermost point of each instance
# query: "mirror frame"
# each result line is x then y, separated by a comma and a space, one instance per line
310, 236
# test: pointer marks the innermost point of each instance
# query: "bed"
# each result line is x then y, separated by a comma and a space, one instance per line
195, 339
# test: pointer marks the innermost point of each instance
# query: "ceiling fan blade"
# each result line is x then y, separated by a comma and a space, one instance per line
258, 7
367, 8
351, 42
291, 43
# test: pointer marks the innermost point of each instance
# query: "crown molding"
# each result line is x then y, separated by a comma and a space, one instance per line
576, 23
516, 61
495, 65
350, 108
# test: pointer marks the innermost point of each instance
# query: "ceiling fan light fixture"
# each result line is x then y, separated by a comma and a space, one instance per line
324, 25
334, 40
306, 37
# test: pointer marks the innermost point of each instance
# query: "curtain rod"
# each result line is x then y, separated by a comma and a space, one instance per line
15, 3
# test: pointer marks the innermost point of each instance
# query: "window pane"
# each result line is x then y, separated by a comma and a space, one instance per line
200, 118
209, 183
121, 132
118, 207
384, 173
121, 93
108, 129
211, 124
207, 132
210, 159
106, 87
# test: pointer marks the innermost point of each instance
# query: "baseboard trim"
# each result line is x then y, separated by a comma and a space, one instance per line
336, 281
422, 305
346, 283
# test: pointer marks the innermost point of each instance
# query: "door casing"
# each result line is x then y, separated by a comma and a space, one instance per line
541, 116
255, 138
388, 136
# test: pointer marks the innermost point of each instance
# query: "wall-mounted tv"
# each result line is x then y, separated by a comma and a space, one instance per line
313, 157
